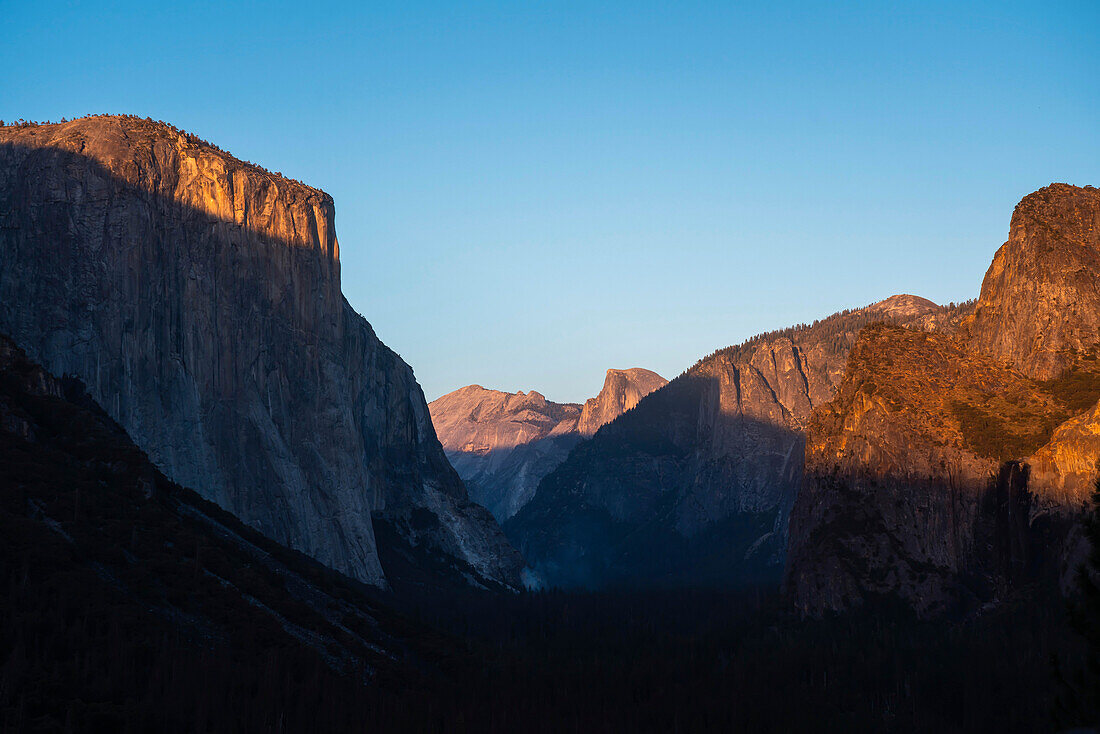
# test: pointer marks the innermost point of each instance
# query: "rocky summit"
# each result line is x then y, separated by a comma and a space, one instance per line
622, 390
1040, 302
695, 484
502, 444
198, 298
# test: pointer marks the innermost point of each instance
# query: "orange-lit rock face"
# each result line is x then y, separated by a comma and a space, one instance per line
898, 468
168, 164
1064, 469
198, 297
1040, 300
622, 389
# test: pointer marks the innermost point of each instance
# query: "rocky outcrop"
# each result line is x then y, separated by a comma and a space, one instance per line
502, 444
198, 298
905, 307
1040, 300
695, 484
622, 390
1065, 469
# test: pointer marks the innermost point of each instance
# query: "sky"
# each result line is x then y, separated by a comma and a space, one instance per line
529, 193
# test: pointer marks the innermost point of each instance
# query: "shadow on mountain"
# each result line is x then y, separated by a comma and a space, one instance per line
948, 548
676, 492
504, 479
131, 604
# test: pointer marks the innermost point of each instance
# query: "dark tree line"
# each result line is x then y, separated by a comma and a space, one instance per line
1078, 673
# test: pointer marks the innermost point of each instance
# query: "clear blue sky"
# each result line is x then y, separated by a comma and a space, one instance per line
530, 193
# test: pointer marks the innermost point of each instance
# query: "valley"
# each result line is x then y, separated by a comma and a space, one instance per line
227, 505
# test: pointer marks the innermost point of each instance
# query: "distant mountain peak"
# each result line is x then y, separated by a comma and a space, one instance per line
903, 305
622, 389
503, 443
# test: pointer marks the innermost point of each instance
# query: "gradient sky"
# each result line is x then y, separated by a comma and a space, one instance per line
530, 193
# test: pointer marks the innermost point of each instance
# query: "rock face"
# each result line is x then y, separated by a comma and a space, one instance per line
622, 390
198, 298
502, 444
950, 467
696, 483
1066, 467
1040, 300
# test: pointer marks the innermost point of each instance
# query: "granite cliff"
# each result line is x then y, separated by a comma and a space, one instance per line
198, 297
1040, 301
621, 391
502, 444
695, 484
949, 468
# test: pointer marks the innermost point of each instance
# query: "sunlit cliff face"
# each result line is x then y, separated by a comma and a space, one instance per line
1040, 300
182, 168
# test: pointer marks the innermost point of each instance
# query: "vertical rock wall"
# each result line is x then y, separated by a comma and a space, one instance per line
198, 298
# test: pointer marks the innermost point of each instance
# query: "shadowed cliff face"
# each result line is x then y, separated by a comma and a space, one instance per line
695, 484
942, 543
199, 299
503, 444
1040, 300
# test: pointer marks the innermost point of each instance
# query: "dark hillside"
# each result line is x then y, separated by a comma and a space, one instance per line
131, 604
